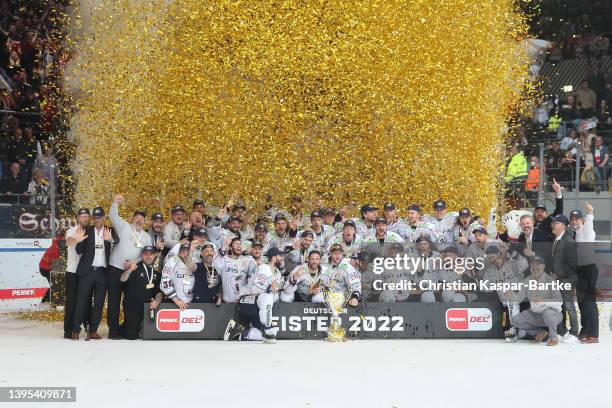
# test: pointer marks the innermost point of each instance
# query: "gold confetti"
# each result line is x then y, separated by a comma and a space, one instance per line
346, 101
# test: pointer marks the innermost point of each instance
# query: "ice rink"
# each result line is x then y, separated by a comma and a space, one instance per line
293, 374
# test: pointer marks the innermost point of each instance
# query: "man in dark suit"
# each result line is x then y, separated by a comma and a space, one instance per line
94, 246
564, 264
533, 241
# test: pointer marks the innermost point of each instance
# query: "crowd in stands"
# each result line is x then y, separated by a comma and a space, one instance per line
31, 57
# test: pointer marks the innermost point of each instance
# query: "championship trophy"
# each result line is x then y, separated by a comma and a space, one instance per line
335, 301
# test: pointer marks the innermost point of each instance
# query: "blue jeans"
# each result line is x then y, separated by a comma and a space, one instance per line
601, 174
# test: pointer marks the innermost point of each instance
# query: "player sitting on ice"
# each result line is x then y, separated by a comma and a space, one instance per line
304, 281
257, 299
341, 275
544, 313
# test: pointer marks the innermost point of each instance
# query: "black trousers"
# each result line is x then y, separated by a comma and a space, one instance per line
95, 282
585, 291
47, 276
115, 288
249, 313
70, 292
132, 323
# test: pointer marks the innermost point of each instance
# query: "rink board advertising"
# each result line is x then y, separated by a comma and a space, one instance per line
310, 321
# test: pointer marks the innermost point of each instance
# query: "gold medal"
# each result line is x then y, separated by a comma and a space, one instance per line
150, 286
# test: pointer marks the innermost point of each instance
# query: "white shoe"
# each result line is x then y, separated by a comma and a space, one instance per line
569, 338
269, 335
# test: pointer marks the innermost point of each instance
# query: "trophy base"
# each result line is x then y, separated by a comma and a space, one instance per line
336, 334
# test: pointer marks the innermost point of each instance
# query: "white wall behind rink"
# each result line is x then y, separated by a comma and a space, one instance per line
21, 284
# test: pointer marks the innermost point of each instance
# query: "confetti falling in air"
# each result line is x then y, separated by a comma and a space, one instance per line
348, 102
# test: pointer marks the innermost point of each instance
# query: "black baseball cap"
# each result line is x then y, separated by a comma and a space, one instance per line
315, 214
200, 232
307, 234
380, 220
157, 217
560, 218
261, 226
389, 206
481, 230
140, 212
198, 202
238, 206
272, 252
83, 210
349, 223
414, 207
576, 214
491, 250
177, 208
329, 211
367, 208
279, 217
256, 244
235, 218
540, 207
464, 212
98, 212
336, 247
539, 259
208, 244
149, 248
439, 204
185, 247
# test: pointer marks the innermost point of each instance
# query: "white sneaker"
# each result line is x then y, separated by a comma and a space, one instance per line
569, 338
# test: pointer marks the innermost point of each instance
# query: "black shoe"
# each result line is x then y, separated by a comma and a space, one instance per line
68, 336
233, 331
114, 336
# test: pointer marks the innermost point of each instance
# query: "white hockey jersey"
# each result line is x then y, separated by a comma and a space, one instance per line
444, 228
235, 274
177, 281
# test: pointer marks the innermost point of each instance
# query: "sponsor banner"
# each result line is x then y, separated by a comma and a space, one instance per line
184, 321
311, 320
35, 221
22, 293
469, 319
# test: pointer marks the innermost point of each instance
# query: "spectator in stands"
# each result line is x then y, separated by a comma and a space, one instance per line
13, 183
586, 154
30, 147
586, 100
38, 190
568, 167
46, 161
552, 159
532, 184
16, 148
601, 158
568, 143
569, 111
604, 117
517, 168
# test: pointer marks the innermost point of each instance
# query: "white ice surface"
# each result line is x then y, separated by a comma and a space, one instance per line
295, 374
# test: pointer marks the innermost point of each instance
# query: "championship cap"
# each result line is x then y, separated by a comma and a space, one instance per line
256, 244
307, 234
423, 238
157, 217
184, 247
208, 244
576, 214
491, 250
380, 220
177, 208
98, 212
414, 207
389, 206
200, 232
329, 211
540, 207
261, 227
336, 247
349, 223
367, 208
439, 205
235, 218
198, 202
539, 259
560, 218
315, 214
481, 230
272, 252
464, 212
83, 210
149, 248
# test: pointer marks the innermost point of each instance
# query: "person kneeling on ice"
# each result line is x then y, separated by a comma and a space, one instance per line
304, 281
257, 299
544, 313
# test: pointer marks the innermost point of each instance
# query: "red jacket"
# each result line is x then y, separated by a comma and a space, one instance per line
51, 254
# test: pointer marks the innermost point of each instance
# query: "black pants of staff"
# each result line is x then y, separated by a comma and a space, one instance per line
115, 287
585, 291
132, 323
95, 282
